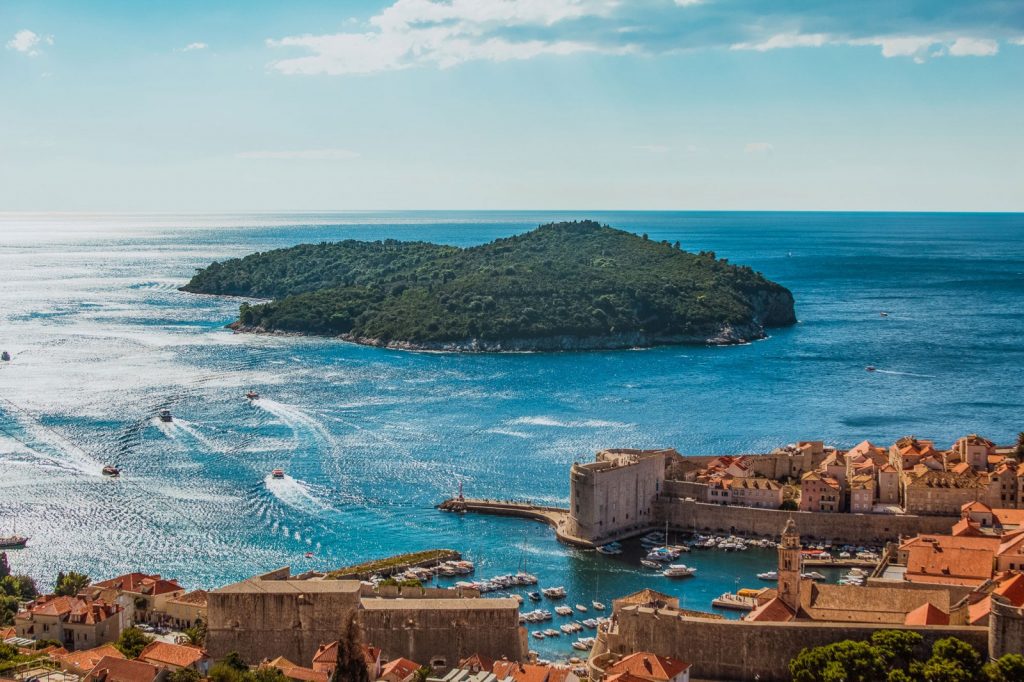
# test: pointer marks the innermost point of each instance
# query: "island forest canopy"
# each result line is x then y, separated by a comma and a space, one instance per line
577, 280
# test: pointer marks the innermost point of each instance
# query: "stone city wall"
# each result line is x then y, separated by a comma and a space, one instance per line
839, 527
734, 650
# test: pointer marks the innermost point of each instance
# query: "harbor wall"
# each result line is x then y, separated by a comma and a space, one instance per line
756, 651
689, 515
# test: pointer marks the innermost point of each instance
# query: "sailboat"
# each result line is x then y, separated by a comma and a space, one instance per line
13, 541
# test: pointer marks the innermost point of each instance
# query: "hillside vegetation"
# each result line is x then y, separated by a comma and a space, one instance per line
562, 285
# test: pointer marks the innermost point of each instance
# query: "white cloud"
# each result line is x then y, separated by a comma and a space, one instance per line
194, 46
973, 47
759, 148
1018, 41
302, 154
912, 46
783, 41
443, 34
28, 42
688, 3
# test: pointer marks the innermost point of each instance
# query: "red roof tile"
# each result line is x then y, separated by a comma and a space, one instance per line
772, 611
140, 583
927, 614
648, 666
174, 655
110, 669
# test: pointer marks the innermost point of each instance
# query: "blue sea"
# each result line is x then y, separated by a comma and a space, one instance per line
371, 439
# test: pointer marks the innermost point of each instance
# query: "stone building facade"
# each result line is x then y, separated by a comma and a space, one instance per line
616, 492
276, 615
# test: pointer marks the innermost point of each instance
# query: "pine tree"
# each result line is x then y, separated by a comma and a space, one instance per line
1019, 450
5, 568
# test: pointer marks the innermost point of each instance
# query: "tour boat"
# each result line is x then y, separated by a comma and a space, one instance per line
598, 606
870, 368
13, 541
165, 416
770, 575
733, 601
581, 608
813, 575
554, 592
252, 395
563, 610
111, 471
277, 473
679, 571
5, 356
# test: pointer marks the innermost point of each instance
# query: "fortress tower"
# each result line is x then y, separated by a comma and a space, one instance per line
789, 567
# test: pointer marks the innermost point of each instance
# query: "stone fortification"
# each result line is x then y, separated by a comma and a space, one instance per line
275, 615
837, 527
735, 650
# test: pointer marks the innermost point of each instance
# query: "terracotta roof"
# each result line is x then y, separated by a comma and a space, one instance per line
110, 669
927, 614
648, 666
195, 597
975, 507
280, 662
400, 668
521, 672
953, 560
175, 655
625, 677
476, 661
1009, 517
326, 653
966, 527
559, 674
140, 583
1011, 544
304, 674
961, 468
772, 611
85, 660
71, 609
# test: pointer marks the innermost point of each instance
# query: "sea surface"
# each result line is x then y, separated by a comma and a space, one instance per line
372, 439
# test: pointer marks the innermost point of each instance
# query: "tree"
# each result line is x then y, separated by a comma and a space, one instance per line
197, 633
849, 660
896, 646
184, 675
1009, 668
235, 662
1019, 450
132, 641
71, 583
789, 505
351, 662
265, 674
20, 586
222, 672
959, 654
5, 568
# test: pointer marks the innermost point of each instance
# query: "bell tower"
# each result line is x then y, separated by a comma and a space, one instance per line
789, 566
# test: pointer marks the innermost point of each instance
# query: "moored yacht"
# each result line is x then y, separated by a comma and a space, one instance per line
554, 592
13, 541
679, 571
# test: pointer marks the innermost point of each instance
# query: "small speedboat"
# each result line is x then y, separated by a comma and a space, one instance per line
252, 395
581, 608
534, 596
111, 471
5, 356
870, 368
165, 416
277, 473
650, 564
598, 606
883, 314
538, 635
308, 555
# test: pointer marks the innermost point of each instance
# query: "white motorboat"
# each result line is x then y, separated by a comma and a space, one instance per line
768, 575
679, 571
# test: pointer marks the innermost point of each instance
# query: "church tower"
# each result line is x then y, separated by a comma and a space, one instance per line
789, 567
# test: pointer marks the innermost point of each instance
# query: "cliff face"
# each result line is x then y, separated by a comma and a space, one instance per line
564, 286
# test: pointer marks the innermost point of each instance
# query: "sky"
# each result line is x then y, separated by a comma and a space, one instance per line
250, 105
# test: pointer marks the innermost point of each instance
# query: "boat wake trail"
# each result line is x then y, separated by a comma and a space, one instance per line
293, 493
296, 419
905, 374
189, 429
166, 428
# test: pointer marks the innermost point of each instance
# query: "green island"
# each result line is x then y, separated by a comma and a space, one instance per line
563, 286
